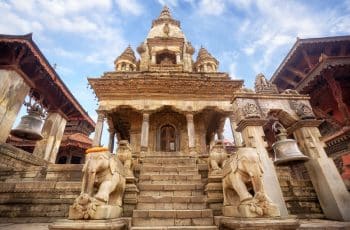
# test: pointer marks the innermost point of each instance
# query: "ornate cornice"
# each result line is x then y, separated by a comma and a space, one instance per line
166, 87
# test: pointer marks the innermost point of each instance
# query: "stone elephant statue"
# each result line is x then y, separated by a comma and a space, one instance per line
102, 188
243, 189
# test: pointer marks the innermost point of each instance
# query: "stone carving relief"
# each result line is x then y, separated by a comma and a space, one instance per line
241, 173
302, 110
124, 154
290, 92
102, 187
262, 85
251, 110
217, 157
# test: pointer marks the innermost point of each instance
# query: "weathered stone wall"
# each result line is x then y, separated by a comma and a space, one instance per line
298, 192
15, 158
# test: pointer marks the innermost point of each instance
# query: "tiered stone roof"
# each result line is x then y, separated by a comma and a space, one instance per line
128, 54
204, 55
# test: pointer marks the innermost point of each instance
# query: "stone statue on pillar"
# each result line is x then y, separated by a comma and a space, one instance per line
242, 173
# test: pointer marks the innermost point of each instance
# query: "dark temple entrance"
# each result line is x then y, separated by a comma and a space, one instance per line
168, 138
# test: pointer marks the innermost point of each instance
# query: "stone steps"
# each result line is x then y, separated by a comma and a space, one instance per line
173, 182
176, 228
171, 187
168, 160
171, 202
171, 194
161, 177
172, 217
174, 169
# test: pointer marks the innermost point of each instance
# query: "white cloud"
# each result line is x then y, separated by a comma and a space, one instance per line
129, 6
211, 7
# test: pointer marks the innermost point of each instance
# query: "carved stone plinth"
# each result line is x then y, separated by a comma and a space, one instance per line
247, 210
94, 212
226, 223
112, 224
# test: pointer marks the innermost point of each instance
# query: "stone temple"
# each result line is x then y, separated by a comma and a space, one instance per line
171, 169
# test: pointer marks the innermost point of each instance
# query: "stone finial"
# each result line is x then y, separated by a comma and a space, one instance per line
165, 14
262, 85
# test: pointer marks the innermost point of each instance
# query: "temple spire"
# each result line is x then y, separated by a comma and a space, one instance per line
165, 14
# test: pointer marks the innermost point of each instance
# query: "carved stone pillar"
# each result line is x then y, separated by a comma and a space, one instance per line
145, 132
98, 129
329, 186
253, 136
13, 90
191, 133
52, 132
178, 59
153, 58
111, 140
338, 96
237, 136
205, 67
220, 131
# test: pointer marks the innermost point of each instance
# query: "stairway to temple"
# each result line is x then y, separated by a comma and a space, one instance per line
171, 194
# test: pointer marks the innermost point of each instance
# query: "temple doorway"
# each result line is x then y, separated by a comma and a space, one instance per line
167, 138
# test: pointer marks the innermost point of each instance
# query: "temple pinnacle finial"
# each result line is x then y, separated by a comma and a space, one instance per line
165, 12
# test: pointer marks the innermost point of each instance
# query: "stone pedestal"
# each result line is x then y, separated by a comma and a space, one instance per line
226, 223
253, 136
13, 90
111, 224
53, 129
329, 186
101, 212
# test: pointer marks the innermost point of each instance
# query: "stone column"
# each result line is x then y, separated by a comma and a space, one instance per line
236, 135
220, 131
98, 129
145, 132
153, 58
191, 133
13, 91
329, 186
205, 67
52, 132
111, 140
178, 59
253, 136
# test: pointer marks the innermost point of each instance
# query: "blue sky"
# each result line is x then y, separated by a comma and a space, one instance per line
83, 38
